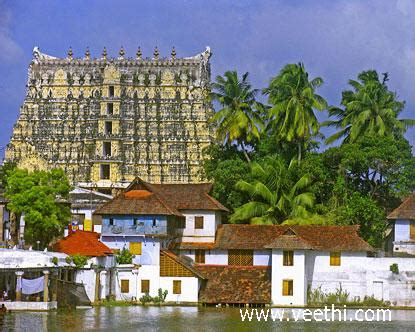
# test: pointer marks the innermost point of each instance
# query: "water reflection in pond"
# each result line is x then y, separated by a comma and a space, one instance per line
181, 319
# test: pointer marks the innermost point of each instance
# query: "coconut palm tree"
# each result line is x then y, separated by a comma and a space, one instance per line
293, 101
238, 120
369, 109
275, 196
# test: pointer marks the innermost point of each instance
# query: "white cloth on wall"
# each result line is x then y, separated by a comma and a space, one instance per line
32, 286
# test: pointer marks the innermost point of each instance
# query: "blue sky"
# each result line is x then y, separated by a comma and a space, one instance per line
335, 39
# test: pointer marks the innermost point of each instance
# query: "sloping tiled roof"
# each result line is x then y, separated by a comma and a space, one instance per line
83, 243
326, 238
406, 210
183, 262
235, 284
163, 199
193, 245
289, 242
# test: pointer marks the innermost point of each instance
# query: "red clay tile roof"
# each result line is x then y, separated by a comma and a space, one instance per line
162, 199
83, 243
289, 242
325, 238
235, 284
406, 210
193, 245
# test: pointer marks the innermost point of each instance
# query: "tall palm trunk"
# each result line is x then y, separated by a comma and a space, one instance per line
245, 152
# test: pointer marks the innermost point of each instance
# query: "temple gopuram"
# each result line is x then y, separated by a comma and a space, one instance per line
106, 121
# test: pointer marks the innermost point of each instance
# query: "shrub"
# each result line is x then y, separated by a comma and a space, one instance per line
68, 259
394, 268
79, 260
146, 298
55, 260
124, 257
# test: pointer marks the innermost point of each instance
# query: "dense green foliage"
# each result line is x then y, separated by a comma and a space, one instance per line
124, 257
356, 183
42, 197
79, 260
369, 109
238, 120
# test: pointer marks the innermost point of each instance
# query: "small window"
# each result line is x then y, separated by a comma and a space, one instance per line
240, 257
135, 221
154, 222
111, 222
199, 222
135, 248
412, 230
200, 256
177, 286
335, 258
110, 108
105, 172
125, 286
287, 287
288, 258
145, 286
106, 149
111, 91
108, 128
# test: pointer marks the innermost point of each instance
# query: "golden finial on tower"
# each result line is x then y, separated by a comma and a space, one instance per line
87, 54
138, 54
70, 53
173, 53
104, 53
156, 53
121, 53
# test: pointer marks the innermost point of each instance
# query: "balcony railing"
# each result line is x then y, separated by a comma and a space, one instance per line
134, 230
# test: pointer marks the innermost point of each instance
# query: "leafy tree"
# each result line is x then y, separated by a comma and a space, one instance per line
275, 193
124, 257
225, 167
364, 211
368, 109
293, 101
238, 120
37, 195
79, 260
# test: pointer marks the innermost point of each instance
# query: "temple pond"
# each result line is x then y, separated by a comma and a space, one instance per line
139, 318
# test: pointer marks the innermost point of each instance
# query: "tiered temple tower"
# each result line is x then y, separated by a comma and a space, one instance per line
106, 121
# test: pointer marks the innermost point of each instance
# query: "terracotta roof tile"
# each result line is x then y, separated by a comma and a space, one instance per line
406, 210
235, 284
193, 245
327, 238
163, 199
83, 243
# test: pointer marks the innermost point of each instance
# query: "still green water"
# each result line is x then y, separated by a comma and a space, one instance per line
181, 319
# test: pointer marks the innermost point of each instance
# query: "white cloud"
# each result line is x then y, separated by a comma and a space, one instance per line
9, 49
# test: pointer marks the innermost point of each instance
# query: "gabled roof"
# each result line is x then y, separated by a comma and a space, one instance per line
406, 210
235, 284
183, 262
289, 240
142, 198
323, 238
83, 243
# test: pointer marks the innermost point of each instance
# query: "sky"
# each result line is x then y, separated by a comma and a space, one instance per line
335, 39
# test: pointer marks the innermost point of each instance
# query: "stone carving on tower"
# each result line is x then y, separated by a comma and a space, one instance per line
107, 120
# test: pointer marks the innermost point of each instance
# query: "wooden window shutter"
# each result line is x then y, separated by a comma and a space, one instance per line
145, 286
125, 286
135, 248
335, 258
199, 222
240, 257
412, 230
288, 258
177, 286
200, 256
287, 287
